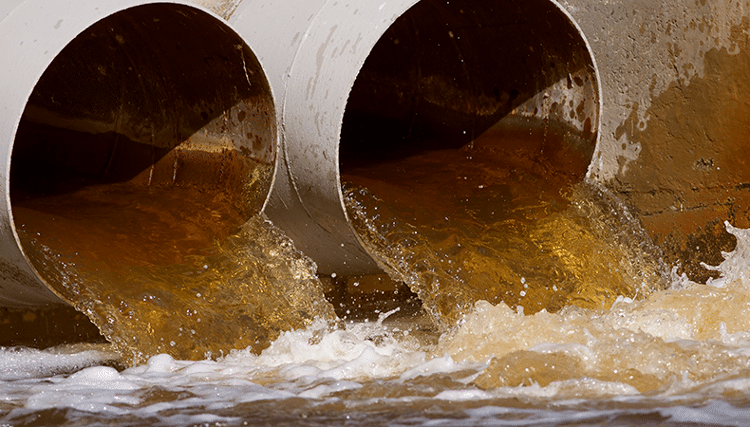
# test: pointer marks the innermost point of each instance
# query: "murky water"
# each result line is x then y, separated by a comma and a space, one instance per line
159, 270
538, 251
679, 357
538, 302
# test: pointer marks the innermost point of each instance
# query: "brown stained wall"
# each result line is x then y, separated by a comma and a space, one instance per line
675, 118
692, 173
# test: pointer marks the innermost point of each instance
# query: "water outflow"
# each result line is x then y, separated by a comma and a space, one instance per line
471, 123
146, 145
466, 123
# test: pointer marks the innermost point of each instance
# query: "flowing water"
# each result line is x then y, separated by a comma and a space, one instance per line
209, 292
539, 302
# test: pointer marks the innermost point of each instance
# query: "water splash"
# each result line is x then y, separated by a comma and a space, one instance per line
588, 254
243, 291
673, 341
678, 355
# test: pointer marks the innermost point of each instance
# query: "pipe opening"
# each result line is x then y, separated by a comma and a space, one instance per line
468, 119
147, 139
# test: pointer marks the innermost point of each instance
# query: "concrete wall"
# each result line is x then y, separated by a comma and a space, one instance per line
676, 117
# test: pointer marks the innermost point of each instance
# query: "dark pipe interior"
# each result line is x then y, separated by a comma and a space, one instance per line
446, 72
151, 135
123, 95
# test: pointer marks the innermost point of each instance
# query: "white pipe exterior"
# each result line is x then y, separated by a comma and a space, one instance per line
313, 52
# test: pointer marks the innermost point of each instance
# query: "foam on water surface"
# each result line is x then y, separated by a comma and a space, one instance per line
678, 356
18, 363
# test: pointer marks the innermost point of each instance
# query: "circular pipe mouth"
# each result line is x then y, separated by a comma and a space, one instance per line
369, 83
149, 137
466, 115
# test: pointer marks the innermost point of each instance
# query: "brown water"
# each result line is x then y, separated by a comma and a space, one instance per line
169, 269
500, 222
551, 307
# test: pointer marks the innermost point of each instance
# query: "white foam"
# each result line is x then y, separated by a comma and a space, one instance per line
463, 395
97, 377
734, 268
96, 389
437, 365
658, 322
366, 350
323, 390
320, 362
19, 362
716, 413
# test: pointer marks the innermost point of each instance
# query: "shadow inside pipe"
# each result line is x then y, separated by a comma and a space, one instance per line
157, 105
447, 72
150, 138
147, 96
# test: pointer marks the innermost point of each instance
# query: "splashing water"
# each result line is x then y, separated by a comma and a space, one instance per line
505, 218
587, 254
552, 308
674, 341
680, 355
239, 291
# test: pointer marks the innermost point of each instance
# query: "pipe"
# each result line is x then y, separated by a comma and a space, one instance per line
356, 80
115, 116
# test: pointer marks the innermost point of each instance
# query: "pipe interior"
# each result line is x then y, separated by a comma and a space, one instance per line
446, 73
471, 112
148, 137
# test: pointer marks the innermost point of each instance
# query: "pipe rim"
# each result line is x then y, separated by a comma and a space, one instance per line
31, 288
309, 115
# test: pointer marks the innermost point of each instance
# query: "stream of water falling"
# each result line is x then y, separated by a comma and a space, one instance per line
616, 339
681, 356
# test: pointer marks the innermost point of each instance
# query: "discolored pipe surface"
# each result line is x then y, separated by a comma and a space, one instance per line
362, 81
133, 132
674, 119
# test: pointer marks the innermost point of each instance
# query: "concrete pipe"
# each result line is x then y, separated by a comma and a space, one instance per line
124, 118
360, 81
